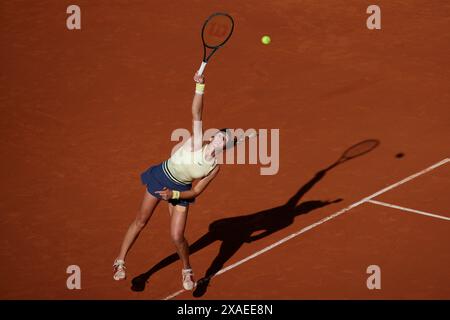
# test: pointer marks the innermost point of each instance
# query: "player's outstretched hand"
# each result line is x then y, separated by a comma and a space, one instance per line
199, 79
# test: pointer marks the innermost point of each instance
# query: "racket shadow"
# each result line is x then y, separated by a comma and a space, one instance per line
235, 231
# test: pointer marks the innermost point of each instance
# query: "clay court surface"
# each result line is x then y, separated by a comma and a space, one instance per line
83, 113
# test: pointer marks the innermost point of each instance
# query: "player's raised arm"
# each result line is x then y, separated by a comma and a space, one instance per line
197, 102
197, 109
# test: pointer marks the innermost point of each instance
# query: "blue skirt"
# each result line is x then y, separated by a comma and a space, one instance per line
155, 178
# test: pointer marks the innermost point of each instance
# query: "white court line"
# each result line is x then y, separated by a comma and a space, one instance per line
334, 215
409, 210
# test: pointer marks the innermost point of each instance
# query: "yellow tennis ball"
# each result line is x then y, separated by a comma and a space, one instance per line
265, 39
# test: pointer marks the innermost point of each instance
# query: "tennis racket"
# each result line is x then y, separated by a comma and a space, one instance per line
354, 151
216, 31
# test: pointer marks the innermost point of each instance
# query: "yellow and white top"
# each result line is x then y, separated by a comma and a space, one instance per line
185, 165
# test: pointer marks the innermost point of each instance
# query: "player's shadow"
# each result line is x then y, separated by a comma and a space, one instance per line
233, 232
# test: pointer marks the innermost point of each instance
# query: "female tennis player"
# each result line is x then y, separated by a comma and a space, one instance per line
172, 181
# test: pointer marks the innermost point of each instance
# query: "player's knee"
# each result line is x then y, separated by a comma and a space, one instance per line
177, 237
140, 223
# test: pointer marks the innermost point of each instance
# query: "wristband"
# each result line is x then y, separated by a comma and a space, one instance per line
199, 88
175, 194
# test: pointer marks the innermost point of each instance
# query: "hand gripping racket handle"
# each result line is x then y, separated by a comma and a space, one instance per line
202, 68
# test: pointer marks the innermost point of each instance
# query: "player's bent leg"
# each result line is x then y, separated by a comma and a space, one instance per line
178, 225
148, 205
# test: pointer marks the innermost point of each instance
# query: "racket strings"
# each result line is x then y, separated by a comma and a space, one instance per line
217, 31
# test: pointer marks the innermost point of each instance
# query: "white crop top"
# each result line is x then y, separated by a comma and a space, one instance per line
185, 165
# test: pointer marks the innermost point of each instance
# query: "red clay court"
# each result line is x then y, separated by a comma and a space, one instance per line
84, 112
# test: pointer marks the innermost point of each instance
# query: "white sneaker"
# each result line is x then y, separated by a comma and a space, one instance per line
188, 279
119, 270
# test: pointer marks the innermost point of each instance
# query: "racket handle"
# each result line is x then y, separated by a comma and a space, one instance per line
202, 68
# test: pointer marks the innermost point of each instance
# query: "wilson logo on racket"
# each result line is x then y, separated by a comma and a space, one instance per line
218, 30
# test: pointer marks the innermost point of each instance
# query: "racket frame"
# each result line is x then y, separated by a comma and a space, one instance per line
214, 48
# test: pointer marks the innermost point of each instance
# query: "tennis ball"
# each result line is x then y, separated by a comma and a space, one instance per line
265, 39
